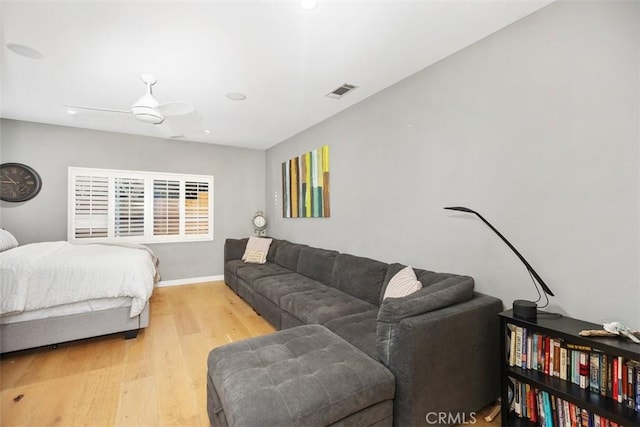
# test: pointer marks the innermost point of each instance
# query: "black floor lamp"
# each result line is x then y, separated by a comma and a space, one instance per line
522, 309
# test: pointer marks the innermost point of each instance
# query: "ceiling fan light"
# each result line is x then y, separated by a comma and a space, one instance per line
147, 114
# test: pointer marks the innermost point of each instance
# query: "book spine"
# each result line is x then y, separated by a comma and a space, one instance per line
631, 389
603, 375
512, 346
620, 369
548, 417
637, 407
547, 342
563, 363
584, 370
540, 355
594, 372
530, 353
614, 380
534, 351
556, 358
518, 357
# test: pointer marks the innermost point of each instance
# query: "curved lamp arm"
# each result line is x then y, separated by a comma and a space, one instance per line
504, 239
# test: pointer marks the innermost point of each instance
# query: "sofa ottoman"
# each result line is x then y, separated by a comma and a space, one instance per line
303, 376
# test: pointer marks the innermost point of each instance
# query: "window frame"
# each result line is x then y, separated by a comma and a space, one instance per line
205, 221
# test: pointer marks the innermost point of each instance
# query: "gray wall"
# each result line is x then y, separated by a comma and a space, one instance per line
238, 185
536, 127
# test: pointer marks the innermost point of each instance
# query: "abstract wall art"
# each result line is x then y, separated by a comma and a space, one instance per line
305, 185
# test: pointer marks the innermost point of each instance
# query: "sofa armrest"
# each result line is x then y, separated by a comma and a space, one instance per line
445, 361
452, 290
234, 249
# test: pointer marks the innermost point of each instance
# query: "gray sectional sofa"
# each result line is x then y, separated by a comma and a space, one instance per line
440, 343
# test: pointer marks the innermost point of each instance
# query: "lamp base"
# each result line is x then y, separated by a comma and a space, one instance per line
527, 310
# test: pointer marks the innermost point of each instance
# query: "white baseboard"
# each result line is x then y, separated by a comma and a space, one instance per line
189, 281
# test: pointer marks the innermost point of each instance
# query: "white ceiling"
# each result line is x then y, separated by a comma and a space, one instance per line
283, 58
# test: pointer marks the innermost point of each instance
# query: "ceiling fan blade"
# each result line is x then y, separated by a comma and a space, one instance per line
178, 108
168, 130
108, 110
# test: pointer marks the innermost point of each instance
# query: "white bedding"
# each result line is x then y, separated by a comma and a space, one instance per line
49, 274
67, 310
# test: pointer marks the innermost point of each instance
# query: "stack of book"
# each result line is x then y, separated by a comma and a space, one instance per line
613, 377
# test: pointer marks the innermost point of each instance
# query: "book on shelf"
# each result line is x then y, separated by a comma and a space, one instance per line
594, 371
612, 377
546, 410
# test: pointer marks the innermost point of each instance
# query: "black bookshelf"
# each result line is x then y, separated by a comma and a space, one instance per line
567, 329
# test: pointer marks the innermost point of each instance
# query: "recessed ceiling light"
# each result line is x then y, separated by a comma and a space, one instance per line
72, 112
207, 131
308, 4
235, 96
25, 51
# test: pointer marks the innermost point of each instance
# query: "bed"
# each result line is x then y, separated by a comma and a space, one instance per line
54, 292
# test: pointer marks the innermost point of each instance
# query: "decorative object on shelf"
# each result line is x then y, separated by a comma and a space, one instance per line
603, 333
521, 308
18, 182
619, 329
259, 222
305, 185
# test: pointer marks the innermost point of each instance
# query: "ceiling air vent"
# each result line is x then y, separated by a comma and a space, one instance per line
341, 91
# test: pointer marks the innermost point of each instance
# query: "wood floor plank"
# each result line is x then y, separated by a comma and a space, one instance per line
157, 379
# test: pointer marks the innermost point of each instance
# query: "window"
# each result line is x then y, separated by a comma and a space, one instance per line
141, 207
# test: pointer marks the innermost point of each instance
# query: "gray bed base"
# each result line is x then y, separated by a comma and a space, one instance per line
56, 330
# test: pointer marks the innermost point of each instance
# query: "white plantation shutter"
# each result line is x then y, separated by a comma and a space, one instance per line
141, 207
166, 207
196, 203
129, 206
91, 205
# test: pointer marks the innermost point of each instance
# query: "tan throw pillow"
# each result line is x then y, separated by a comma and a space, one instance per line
256, 257
257, 244
403, 283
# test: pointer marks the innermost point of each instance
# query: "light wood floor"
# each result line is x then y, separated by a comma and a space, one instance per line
157, 379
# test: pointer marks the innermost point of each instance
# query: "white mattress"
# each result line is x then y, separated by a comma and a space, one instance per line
67, 309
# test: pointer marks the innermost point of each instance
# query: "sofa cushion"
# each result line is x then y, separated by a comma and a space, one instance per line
275, 287
322, 305
287, 254
234, 248
359, 276
273, 248
447, 292
358, 329
317, 264
251, 272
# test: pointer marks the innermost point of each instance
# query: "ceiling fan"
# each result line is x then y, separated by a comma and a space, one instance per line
148, 110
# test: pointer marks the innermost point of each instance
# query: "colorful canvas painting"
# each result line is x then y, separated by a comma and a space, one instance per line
305, 185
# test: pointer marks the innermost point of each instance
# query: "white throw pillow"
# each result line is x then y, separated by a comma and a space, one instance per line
7, 241
254, 245
403, 283
256, 257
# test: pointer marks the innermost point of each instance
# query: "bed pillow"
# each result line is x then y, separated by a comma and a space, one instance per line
403, 283
7, 241
256, 251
